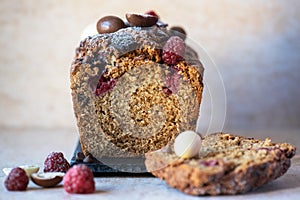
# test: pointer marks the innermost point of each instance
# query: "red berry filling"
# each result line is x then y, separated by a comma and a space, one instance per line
209, 163
104, 85
173, 51
167, 91
172, 82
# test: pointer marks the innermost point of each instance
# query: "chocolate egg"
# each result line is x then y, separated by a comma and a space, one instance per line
187, 144
48, 179
109, 24
141, 20
178, 31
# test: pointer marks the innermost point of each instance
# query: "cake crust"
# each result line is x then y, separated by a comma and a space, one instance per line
227, 164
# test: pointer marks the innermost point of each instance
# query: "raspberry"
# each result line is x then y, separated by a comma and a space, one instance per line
17, 180
55, 162
151, 12
172, 81
79, 179
209, 163
167, 91
173, 50
104, 85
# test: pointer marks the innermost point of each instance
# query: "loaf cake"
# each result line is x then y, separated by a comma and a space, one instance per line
226, 164
127, 98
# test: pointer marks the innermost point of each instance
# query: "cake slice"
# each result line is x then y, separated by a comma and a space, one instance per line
226, 164
127, 98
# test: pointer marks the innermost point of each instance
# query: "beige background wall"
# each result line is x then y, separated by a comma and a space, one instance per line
255, 44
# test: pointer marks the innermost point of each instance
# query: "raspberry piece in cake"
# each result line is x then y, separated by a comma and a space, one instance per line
104, 85
173, 50
172, 80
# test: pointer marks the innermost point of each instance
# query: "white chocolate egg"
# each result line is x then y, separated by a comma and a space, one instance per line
187, 144
30, 169
89, 30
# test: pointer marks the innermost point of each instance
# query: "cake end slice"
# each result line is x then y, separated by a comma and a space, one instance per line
226, 164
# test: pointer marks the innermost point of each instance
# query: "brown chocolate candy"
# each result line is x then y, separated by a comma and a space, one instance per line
79, 156
48, 179
178, 31
141, 20
109, 24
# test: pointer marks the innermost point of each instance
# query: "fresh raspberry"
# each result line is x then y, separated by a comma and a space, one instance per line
173, 50
79, 179
55, 162
151, 12
17, 180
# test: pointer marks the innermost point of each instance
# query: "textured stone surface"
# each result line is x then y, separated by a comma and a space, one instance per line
255, 44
